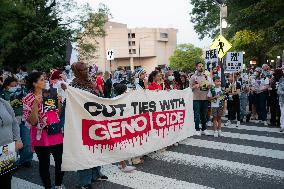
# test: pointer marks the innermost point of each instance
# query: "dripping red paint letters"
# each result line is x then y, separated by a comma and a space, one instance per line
165, 120
112, 132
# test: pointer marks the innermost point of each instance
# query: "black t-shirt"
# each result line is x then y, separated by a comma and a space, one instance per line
235, 85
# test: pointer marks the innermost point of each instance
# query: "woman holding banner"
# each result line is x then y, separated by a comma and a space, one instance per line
9, 132
82, 81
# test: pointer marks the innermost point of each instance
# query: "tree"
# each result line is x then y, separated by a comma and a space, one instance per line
185, 56
36, 33
263, 18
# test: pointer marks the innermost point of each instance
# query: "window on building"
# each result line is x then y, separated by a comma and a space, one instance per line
133, 51
133, 35
131, 43
129, 35
129, 51
163, 35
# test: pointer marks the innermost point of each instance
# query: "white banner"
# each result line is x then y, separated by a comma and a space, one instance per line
103, 131
234, 61
211, 59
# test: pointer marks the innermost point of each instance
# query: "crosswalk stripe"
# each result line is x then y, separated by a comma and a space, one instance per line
230, 167
254, 137
142, 180
253, 128
18, 183
234, 148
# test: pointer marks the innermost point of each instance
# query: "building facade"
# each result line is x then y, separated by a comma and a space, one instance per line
137, 47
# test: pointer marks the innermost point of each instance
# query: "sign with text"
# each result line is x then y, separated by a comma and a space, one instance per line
222, 45
234, 61
110, 54
104, 131
8, 157
211, 59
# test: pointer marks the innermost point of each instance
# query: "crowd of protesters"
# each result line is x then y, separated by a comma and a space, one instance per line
33, 106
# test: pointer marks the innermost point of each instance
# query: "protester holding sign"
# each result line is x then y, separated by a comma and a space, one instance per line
233, 90
42, 114
9, 132
200, 86
81, 81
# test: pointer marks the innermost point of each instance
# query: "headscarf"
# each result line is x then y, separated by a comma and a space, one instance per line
80, 78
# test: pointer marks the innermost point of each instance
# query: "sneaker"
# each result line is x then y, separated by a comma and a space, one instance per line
281, 130
103, 178
265, 123
215, 133
220, 133
204, 132
89, 186
228, 123
198, 133
209, 124
128, 169
238, 123
60, 187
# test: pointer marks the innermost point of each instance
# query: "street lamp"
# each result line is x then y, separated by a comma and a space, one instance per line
139, 47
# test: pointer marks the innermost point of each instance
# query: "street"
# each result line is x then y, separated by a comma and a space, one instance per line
250, 156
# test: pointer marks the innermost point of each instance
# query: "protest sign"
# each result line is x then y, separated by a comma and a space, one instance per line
103, 131
234, 61
8, 157
211, 59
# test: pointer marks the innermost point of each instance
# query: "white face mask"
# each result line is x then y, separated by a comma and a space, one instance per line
136, 80
171, 78
46, 85
12, 89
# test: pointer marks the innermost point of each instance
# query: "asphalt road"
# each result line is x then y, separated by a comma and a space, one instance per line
248, 157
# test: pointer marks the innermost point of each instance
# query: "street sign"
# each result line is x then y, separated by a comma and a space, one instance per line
110, 54
222, 44
211, 59
234, 62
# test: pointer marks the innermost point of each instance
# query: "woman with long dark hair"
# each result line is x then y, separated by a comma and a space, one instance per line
43, 141
154, 79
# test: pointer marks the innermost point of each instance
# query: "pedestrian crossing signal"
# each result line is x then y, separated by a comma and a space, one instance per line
222, 45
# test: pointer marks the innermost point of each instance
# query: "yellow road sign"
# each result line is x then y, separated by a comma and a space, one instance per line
222, 45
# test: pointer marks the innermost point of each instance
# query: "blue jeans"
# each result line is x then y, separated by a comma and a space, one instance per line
26, 154
86, 176
200, 108
243, 104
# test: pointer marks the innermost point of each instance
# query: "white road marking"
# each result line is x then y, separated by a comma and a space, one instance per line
254, 137
142, 180
253, 128
234, 148
230, 167
18, 183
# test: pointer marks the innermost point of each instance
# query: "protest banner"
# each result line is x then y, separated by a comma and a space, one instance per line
211, 59
8, 157
234, 62
103, 131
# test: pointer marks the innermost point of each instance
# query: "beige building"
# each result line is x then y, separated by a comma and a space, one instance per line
137, 47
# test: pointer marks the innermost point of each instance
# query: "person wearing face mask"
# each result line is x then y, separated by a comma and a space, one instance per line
171, 81
14, 94
200, 85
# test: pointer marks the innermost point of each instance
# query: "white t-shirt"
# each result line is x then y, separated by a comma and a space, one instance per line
216, 102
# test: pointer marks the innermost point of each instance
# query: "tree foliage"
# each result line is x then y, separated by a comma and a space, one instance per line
255, 26
36, 33
185, 56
